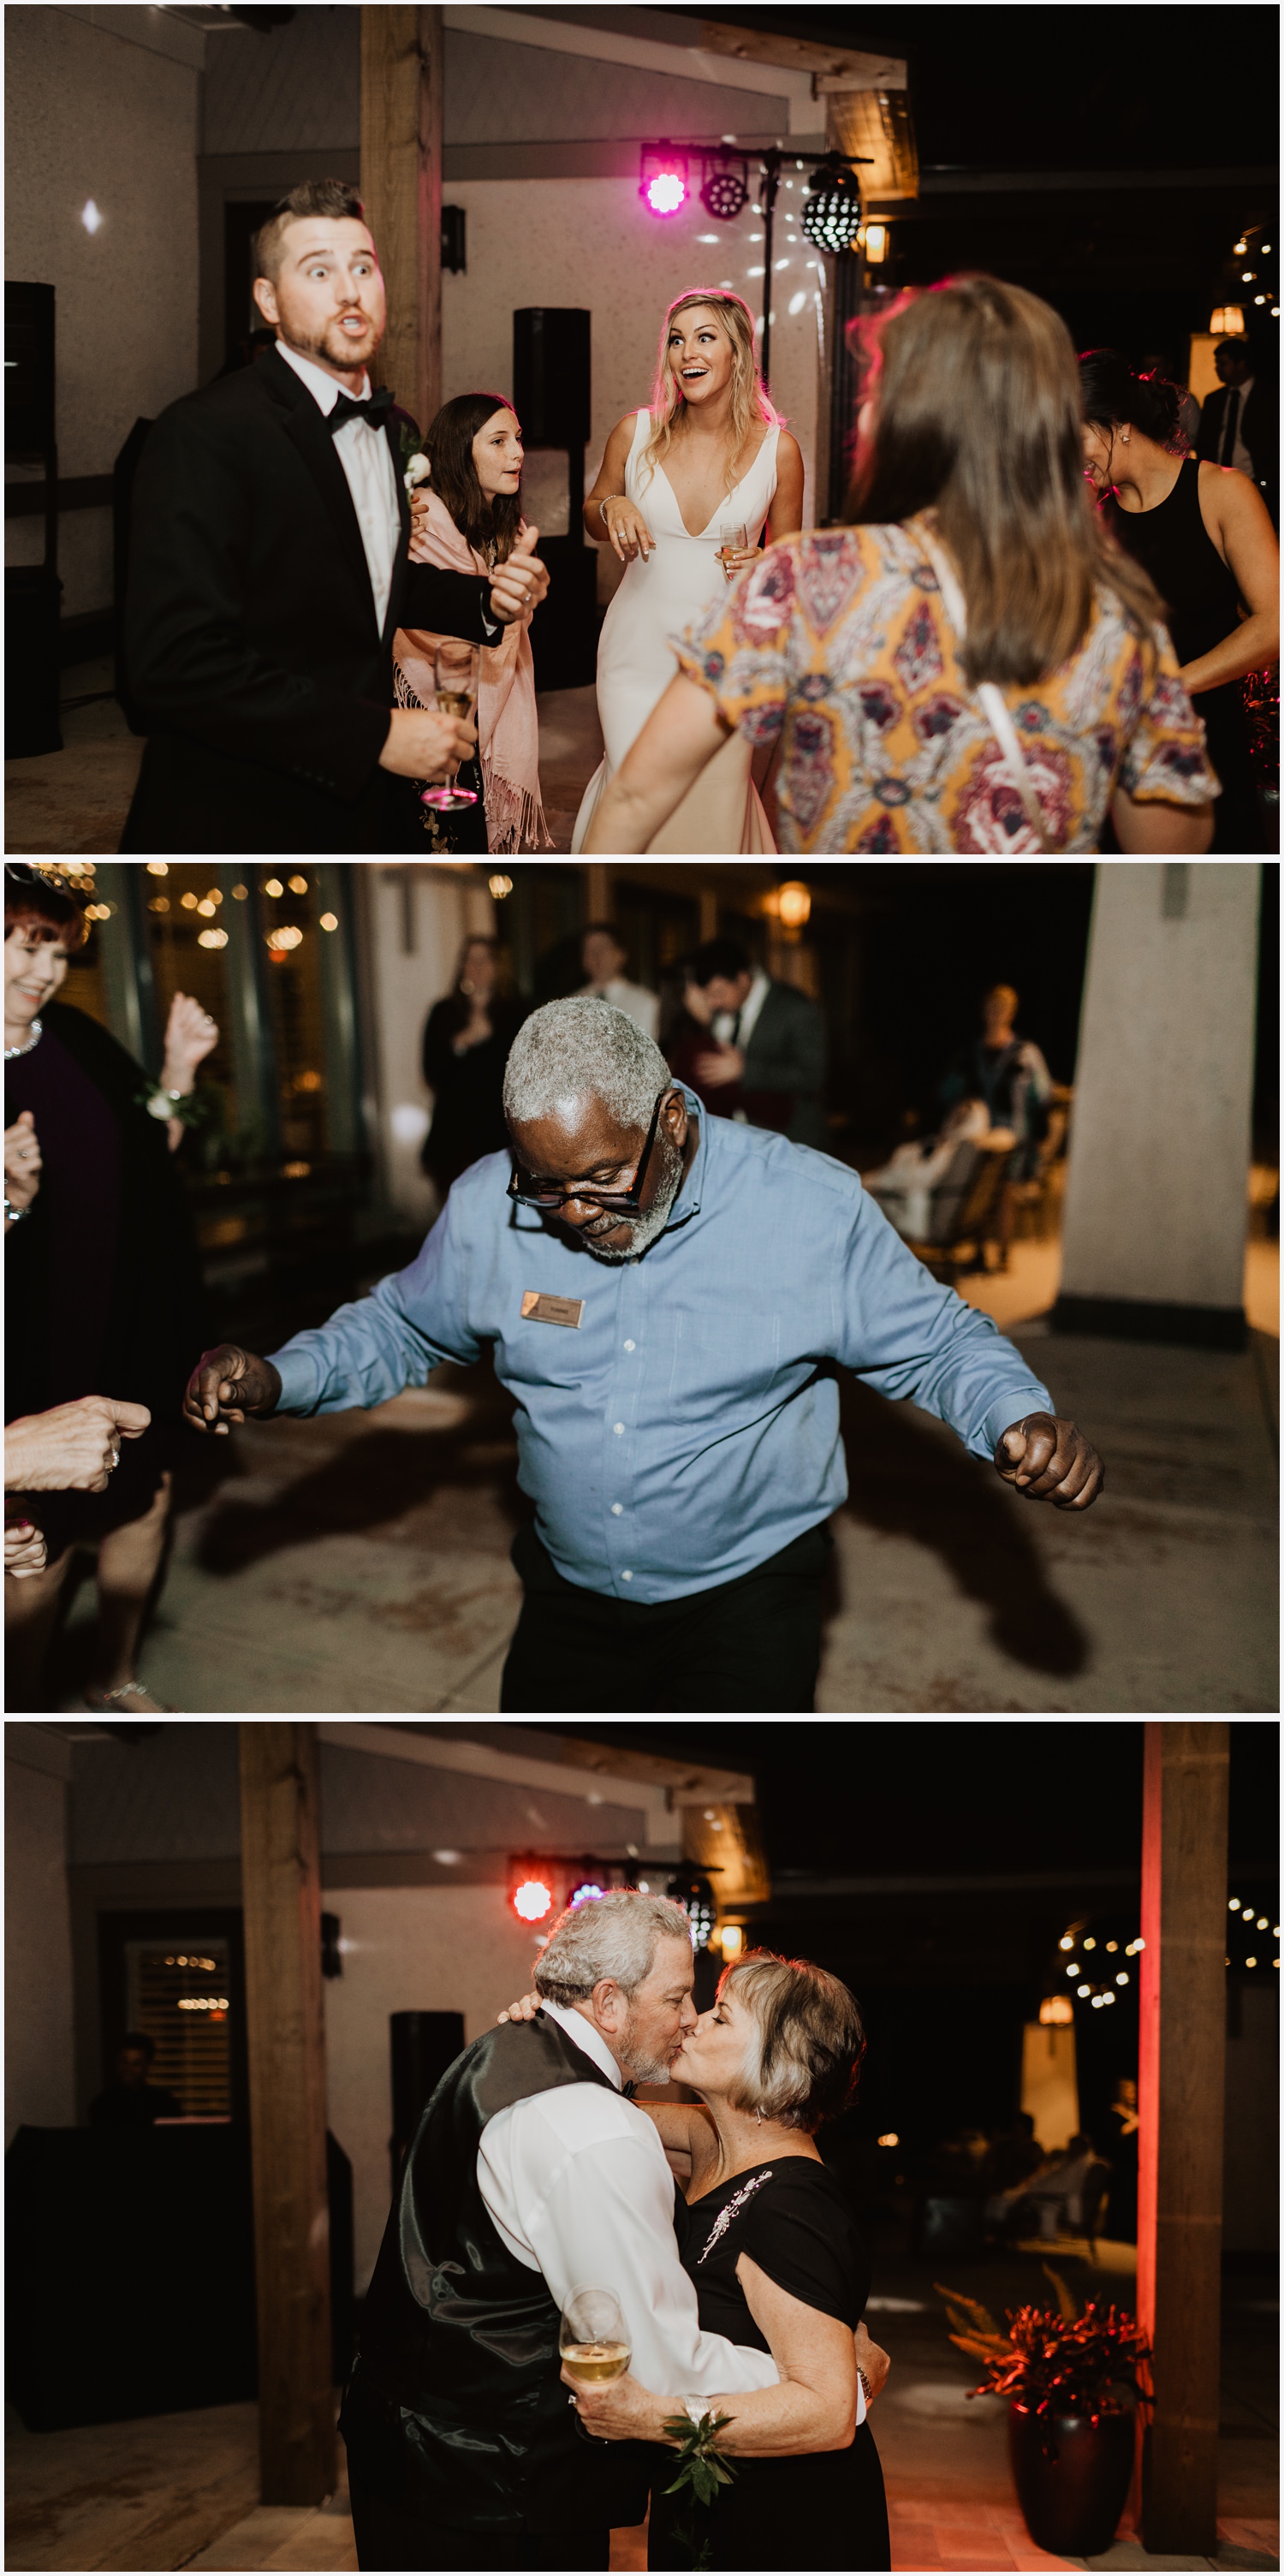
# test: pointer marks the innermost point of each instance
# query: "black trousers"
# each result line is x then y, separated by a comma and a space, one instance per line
753, 1644
388, 2539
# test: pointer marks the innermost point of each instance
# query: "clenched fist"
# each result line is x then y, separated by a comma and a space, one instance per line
1049, 1461
226, 1385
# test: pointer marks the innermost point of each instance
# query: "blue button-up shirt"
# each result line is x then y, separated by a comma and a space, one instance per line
687, 1428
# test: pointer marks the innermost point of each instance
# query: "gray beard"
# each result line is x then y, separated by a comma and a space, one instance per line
643, 1232
644, 2070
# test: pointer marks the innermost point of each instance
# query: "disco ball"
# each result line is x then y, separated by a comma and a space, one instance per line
831, 215
726, 188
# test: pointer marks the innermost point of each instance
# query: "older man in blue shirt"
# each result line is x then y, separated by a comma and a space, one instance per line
669, 1296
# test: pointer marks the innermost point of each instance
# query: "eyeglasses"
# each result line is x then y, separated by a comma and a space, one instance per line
525, 1191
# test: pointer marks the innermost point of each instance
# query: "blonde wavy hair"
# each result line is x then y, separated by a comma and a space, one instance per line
750, 400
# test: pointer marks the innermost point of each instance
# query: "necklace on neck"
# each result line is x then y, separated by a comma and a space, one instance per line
32, 1041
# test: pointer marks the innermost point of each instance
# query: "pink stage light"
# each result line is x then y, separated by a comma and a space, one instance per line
664, 185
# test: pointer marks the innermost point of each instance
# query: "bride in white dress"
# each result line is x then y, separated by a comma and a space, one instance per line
709, 455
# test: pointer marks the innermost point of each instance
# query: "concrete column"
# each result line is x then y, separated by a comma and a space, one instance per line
1157, 1194
401, 111
1180, 2100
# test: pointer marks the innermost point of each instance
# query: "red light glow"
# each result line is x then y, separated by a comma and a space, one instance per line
532, 1900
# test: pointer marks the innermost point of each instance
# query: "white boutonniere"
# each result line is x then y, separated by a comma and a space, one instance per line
418, 470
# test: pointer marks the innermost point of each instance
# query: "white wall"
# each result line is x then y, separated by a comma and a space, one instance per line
588, 242
92, 114
1157, 1193
446, 905
38, 2044
406, 1949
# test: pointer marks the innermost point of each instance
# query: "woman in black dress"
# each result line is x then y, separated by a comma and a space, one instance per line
1204, 535
466, 1044
103, 1281
777, 2259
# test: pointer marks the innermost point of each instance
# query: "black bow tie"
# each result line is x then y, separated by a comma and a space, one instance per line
375, 409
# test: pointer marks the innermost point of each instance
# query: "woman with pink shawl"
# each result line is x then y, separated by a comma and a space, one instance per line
467, 514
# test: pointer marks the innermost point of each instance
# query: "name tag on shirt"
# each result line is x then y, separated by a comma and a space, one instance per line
552, 1310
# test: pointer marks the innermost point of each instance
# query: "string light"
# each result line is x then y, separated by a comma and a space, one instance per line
298, 885
274, 887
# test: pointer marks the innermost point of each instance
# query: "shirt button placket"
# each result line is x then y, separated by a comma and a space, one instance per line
623, 1382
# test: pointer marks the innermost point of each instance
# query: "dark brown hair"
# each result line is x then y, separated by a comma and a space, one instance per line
810, 2039
977, 417
449, 446
32, 903
1112, 392
333, 197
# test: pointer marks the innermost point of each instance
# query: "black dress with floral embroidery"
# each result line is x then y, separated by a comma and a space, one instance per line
818, 2509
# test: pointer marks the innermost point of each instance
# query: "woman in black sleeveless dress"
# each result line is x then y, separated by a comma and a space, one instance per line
778, 2262
1204, 535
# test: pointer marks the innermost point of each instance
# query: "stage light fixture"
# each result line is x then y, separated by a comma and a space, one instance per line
584, 1892
831, 214
532, 1900
724, 191
695, 1895
665, 183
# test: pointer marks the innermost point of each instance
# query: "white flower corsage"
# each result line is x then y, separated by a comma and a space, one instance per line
418, 470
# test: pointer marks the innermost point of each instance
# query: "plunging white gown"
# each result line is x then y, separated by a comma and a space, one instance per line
656, 601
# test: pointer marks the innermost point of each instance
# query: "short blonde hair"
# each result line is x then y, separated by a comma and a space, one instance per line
804, 2058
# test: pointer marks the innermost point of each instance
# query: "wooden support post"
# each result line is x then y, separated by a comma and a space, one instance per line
401, 86
281, 1879
1181, 2088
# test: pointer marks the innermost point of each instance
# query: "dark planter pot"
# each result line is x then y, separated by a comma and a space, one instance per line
1071, 2502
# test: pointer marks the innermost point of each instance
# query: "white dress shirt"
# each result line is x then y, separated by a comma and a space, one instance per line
366, 458
635, 1000
578, 2185
725, 1021
1239, 456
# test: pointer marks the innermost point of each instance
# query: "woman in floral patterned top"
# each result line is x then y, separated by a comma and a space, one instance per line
840, 641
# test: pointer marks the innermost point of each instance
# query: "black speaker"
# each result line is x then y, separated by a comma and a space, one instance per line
424, 2044
552, 387
29, 369
564, 628
122, 511
32, 601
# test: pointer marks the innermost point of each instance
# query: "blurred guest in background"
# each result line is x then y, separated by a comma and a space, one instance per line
923, 1182
1203, 534
104, 1279
131, 2102
1241, 421
466, 1043
1008, 1073
970, 666
604, 957
469, 520
767, 1063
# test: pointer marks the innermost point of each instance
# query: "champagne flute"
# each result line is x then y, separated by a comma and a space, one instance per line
732, 540
594, 2340
455, 671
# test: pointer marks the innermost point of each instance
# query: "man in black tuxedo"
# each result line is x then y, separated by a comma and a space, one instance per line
269, 573
768, 1064
1240, 423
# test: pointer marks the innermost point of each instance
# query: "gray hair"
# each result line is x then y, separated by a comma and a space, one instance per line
615, 1936
583, 1049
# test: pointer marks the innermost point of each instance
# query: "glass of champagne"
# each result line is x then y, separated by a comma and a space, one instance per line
455, 675
594, 2342
732, 540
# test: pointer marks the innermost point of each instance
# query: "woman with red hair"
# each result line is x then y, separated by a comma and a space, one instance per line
104, 1286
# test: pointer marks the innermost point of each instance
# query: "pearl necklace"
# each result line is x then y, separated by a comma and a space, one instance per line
33, 1040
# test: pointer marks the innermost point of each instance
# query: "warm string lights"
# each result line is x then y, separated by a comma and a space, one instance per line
1251, 1923
1098, 1991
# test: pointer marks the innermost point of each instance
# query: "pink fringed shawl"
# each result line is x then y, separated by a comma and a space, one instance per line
507, 723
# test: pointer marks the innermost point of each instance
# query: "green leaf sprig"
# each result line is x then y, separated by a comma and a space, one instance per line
702, 2467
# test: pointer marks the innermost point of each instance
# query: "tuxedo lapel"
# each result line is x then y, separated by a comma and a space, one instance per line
391, 429
309, 431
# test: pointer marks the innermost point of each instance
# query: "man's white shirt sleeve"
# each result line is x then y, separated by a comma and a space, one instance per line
578, 2185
